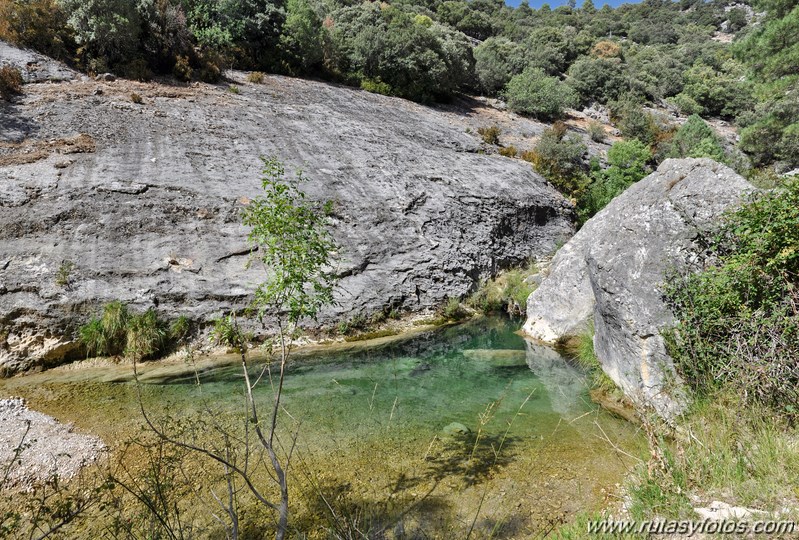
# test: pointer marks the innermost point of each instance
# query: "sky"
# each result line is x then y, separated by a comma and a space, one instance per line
535, 4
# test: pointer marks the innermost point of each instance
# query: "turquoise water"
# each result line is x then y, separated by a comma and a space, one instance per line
484, 420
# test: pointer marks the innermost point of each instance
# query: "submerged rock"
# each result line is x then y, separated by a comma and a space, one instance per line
455, 430
150, 214
612, 271
497, 357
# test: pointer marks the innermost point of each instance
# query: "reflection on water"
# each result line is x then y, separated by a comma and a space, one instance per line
472, 418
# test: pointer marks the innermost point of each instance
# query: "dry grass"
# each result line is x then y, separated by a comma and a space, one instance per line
31, 151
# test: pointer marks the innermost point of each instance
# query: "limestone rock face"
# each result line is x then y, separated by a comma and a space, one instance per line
145, 200
612, 271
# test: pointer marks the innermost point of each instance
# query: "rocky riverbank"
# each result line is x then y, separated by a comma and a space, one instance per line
35, 447
105, 197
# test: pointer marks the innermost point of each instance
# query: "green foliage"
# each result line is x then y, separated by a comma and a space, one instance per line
771, 48
769, 135
376, 86
145, 335
597, 79
10, 82
496, 60
490, 134
696, 139
533, 92
559, 157
105, 336
738, 322
418, 61
507, 292
453, 310
226, 331
302, 36
686, 104
108, 29
596, 130
627, 164
37, 24
720, 92
180, 328
119, 332
63, 276
293, 245
636, 123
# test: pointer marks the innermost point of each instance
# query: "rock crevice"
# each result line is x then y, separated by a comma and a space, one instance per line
613, 269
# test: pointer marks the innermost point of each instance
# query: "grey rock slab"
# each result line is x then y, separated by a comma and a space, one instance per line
152, 216
34, 67
613, 269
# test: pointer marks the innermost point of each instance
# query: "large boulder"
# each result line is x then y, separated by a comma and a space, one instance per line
613, 269
144, 200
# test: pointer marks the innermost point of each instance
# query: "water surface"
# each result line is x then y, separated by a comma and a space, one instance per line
468, 424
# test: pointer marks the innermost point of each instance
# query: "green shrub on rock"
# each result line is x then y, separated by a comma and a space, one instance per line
738, 322
535, 93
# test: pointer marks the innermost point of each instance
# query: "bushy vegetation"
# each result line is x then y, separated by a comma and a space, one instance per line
507, 292
627, 162
120, 332
739, 326
558, 156
10, 82
534, 93
542, 60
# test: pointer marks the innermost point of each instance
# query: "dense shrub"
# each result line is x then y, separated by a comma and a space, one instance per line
597, 79
10, 82
497, 59
720, 92
739, 325
696, 139
559, 157
596, 130
118, 331
490, 134
39, 25
418, 61
534, 93
636, 123
627, 162
686, 104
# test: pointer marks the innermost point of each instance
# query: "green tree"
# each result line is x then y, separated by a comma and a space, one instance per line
559, 157
290, 241
627, 162
696, 139
302, 37
599, 79
497, 59
106, 29
533, 92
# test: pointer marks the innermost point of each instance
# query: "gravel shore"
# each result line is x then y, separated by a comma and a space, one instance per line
35, 447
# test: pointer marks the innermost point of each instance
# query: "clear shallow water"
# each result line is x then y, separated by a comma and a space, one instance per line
474, 416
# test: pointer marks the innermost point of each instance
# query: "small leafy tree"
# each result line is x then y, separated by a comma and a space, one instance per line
533, 92
627, 164
289, 238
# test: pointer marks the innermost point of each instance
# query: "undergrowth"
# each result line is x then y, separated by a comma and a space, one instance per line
507, 292
118, 331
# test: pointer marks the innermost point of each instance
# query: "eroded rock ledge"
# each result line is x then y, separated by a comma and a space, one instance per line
612, 270
149, 211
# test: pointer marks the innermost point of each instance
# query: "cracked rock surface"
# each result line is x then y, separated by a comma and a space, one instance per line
612, 271
145, 200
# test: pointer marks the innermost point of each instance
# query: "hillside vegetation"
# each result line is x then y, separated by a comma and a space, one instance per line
718, 59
